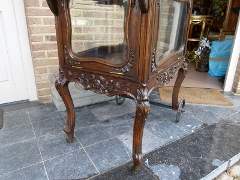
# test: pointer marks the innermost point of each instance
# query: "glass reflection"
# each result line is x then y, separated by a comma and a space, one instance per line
171, 28
98, 29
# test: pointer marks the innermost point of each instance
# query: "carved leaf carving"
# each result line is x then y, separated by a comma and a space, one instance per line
129, 65
99, 84
166, 76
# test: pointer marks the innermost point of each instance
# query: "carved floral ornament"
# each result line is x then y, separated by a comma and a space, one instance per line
166, 76
98, 83
129, 65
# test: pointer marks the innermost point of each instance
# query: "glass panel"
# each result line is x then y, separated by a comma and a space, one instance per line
171, 28
98, 28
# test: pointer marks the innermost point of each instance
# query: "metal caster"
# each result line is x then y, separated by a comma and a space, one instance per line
181, 106
119, 99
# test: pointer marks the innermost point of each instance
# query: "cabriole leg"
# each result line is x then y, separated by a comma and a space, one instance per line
142, 110
62, 88
176, 88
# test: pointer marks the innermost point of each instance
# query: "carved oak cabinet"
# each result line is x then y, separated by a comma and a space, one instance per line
121, 47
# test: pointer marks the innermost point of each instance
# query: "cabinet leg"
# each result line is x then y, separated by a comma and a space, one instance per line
176, 88
62, 88
142, 110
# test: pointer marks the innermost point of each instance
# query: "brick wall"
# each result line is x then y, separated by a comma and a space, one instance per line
236, 83
41, 28
96, 25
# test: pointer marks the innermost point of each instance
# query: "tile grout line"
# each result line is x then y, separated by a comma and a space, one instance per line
19, 169
87, 154
38, 147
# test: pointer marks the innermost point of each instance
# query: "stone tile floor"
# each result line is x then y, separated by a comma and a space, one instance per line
33, 146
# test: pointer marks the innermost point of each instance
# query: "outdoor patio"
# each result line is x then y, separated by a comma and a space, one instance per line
33, 146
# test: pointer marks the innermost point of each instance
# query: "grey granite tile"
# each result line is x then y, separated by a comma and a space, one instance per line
153, 117
188, 123
54, 146
101, 104
165, 131
149, 141
18, 156
163, 112
75, 165
108, 154
234, 118
124, 172
222, 111
119, 125
48, 127
112, 110
205, 115
43, 112
235, 100
35, 172
93, 134
19, 105
16, 135
15, 118
190, 107
83, 117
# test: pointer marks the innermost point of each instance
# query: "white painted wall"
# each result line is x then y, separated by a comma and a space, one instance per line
233, 60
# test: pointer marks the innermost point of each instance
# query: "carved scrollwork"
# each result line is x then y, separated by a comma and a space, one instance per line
99, 84
60, 79
165, 77
129, 65
69, 58
154, 67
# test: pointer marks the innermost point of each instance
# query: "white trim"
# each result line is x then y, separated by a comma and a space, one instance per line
25, 49
233, 61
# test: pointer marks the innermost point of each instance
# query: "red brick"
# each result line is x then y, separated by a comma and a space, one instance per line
42, 85
41, 70
32, 3
44, 99
44, 4
52, 54
39, 12
53, 69
50, 38
34, 20
49, 21
36, 38
44, 92
39, 55
44, 46
93, 30
41, 77
41, 29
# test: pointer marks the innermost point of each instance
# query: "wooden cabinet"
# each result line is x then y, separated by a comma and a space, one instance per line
127, 47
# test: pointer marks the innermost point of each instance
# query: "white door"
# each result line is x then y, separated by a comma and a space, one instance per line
13, 81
